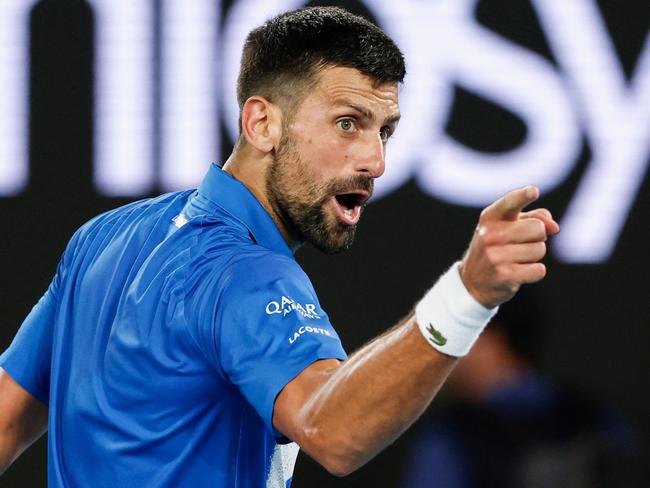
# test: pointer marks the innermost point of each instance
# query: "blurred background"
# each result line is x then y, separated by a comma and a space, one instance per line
105, 102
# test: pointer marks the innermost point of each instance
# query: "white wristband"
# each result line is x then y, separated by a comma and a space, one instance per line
449, 317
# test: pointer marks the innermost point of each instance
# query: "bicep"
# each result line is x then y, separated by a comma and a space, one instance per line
23, 419
289, 403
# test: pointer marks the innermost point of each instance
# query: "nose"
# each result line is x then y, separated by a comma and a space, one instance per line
371, 160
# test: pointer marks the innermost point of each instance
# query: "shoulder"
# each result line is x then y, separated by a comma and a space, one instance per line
263, 285
255, 268
134, 211
94, 231
125, 217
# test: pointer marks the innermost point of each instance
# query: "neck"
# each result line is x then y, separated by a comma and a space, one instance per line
251, 172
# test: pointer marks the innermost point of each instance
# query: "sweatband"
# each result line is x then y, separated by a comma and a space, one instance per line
449, 317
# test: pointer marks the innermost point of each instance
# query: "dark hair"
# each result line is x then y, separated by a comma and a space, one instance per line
281, 57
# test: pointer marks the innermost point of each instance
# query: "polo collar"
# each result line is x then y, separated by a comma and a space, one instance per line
229, 194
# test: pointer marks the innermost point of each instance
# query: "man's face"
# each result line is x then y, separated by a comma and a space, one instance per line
331, 150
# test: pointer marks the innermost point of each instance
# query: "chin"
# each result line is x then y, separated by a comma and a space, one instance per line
334, 242
321, 228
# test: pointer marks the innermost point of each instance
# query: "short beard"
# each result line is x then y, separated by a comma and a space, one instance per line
300, 201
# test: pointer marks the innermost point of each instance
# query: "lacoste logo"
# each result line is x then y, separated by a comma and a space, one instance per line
436, 336
310, 329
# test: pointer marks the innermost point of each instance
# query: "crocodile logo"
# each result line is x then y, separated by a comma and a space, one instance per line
436, 336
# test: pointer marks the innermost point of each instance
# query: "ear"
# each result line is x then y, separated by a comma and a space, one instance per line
261, 123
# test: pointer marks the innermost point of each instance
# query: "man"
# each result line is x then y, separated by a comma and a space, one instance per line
180, 344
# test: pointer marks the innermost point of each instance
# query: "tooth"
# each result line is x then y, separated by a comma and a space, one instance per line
348, 212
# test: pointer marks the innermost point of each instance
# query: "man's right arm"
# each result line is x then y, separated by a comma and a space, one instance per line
23, 419
344, 413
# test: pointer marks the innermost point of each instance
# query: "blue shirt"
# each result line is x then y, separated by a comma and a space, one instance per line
163, 340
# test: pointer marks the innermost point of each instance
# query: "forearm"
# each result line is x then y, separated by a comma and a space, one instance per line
23, 419
8, 449
370, 399
14, 439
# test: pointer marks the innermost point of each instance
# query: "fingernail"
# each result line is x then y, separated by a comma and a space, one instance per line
530, 191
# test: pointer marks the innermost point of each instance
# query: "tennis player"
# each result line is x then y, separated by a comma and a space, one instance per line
181, 344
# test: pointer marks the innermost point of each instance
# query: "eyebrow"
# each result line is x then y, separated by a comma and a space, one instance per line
370, 115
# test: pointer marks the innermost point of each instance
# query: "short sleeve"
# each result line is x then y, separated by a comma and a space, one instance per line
268, 327
28, 358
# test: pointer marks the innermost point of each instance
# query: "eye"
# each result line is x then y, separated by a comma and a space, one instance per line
346, 125
385, 133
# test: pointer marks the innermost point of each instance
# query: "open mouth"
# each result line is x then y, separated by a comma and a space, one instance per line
348, 206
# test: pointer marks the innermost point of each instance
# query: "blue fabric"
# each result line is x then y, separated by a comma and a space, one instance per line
160, 347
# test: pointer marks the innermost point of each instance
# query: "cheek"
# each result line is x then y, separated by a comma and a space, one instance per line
322, 151
319, 157
326, 154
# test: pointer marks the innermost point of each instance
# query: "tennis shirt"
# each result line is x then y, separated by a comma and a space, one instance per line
169, 329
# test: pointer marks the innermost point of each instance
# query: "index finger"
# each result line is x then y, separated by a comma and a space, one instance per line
512, 203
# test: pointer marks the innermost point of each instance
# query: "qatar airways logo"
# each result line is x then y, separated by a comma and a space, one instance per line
286, 305
586, 97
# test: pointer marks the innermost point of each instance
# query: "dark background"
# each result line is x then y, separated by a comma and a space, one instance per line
596, 327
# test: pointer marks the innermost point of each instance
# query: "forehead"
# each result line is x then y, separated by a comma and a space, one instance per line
340, 86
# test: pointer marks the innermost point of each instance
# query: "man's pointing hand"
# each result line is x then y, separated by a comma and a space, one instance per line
507, 247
